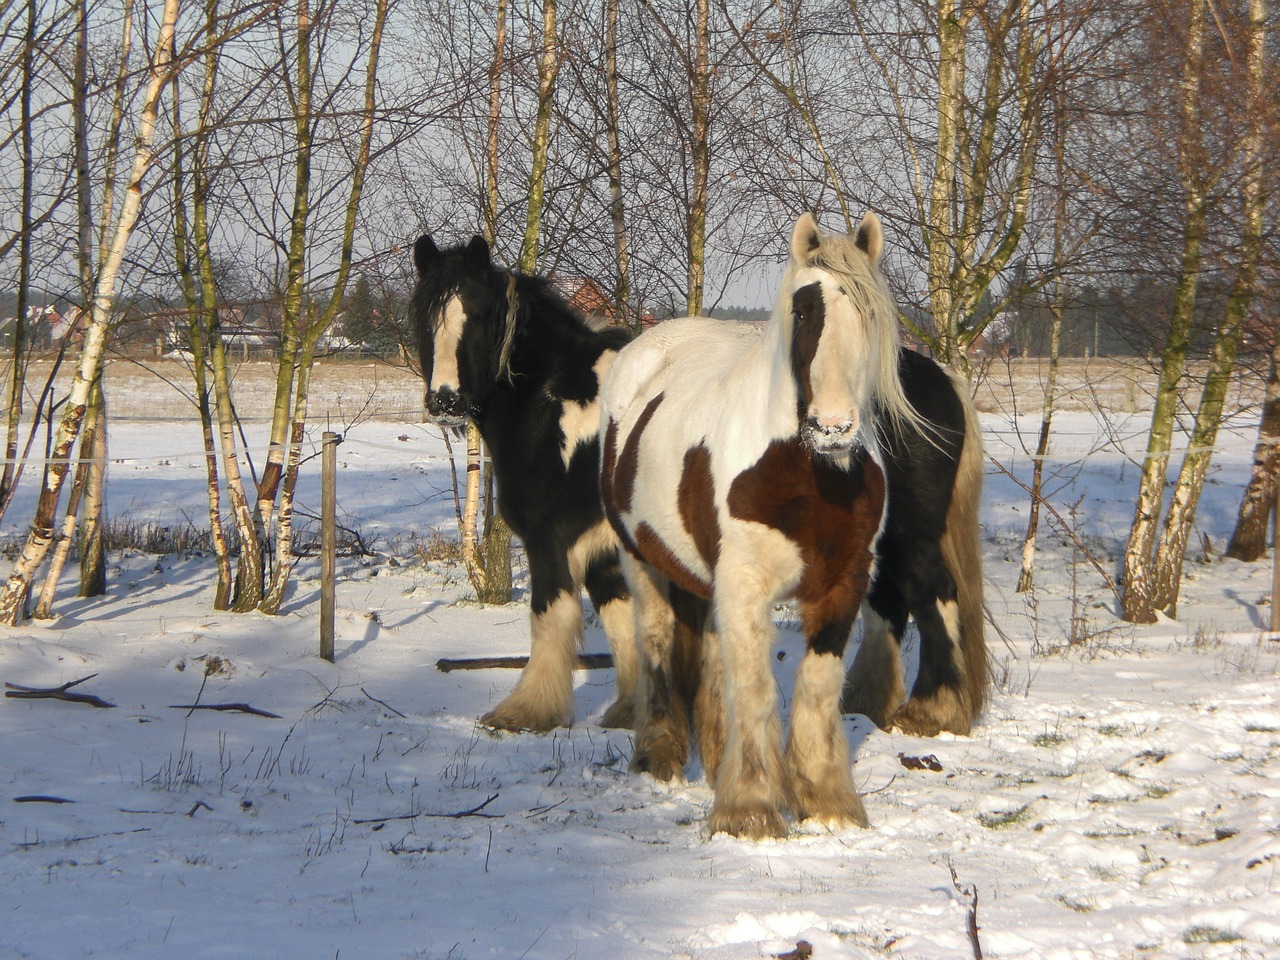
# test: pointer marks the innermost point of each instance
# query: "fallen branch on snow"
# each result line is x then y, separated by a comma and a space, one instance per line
586, 661
473, 812
19, 692
226, 708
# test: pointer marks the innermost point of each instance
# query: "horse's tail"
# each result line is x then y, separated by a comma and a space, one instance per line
962, 552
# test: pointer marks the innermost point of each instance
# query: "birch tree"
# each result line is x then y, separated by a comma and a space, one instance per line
122, 219
1180, 514
1157, 540
970, 184
306, 321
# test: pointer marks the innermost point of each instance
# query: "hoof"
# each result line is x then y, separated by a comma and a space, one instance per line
756, 822
515, 720
621, 715
661, 759
870, 705
838, 815
928, 718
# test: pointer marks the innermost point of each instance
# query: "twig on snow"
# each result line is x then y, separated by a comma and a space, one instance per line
970, 894
473, 812
40, 798
382, 703
226, 708
19, 692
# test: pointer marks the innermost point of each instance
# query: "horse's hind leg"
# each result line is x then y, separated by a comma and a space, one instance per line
817, 752
612, 600
874, 686
662, 718
543, 697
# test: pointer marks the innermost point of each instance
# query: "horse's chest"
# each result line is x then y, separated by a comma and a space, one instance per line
831, 515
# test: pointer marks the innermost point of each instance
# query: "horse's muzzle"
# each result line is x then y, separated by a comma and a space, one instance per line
446, 406
827, 437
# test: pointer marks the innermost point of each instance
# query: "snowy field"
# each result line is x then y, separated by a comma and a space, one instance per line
1120, 799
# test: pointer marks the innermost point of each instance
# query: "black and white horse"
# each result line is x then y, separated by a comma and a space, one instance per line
506, 351
928, 566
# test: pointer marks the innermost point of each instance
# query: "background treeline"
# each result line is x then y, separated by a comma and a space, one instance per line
1056, 178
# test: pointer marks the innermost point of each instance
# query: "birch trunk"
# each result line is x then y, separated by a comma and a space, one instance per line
972, 201
200, 294
18, 586
1026, 575
548, 69
1138, 604
48, 592
472, 557
1249, 539
295, 277
700, 159
308, 333
93, 527
617, 209
490, 200
17, 381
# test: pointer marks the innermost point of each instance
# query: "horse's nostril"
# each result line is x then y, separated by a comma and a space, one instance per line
445, 403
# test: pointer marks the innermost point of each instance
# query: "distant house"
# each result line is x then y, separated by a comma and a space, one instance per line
589, 298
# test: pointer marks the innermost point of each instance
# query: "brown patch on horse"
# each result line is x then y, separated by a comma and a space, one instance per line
653, 550
608, 464
832, 515
696, 500
622, 478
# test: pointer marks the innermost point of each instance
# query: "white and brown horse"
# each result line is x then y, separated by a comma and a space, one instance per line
744, 469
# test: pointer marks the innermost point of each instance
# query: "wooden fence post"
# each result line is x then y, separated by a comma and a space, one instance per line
328, 538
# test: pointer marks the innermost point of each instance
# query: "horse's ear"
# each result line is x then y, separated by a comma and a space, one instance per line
425, 253
478, 251
870, 237
805, 237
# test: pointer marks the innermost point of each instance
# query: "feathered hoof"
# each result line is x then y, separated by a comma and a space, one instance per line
870, 703
749, 822
837, 812
516, 720
621, 715
928, 717
661, 758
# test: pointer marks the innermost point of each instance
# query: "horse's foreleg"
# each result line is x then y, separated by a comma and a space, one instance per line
817, 752
750, 791
543, 697
709, 706
938, 697
662, 720
612, 600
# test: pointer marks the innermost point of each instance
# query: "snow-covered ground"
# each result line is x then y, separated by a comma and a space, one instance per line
1121, 798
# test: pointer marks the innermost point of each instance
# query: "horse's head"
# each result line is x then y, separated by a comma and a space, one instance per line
462, 324
843, 332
